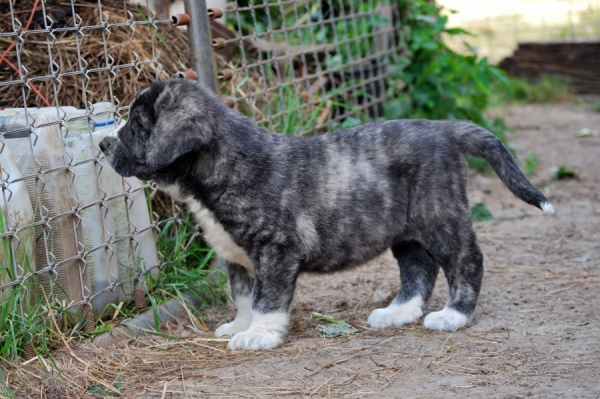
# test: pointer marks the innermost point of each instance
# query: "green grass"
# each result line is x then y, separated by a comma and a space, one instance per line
21, 318
547, 89
597, 106
4, 391
187, 269
531, 162
286, 111
186, 272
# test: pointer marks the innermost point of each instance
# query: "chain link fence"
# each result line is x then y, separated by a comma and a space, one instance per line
76, 238
311, 66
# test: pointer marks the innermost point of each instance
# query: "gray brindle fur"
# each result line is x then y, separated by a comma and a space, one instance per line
273, 206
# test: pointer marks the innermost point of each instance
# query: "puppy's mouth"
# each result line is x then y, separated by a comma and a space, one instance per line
112, 160
127, 168
113, 152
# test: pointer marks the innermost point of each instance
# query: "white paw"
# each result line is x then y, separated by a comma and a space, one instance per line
256, 340
230, 329
445, 320
242, 320
267, 331
397, 314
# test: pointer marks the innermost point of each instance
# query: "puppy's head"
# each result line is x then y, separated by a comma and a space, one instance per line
167, 121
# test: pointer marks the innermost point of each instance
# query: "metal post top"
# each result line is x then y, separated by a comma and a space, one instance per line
201, 42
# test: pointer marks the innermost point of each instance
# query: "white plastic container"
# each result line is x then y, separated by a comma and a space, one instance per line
130, 212
112, 208
97, 224
116, 215
50, 196
17, 254
143, 250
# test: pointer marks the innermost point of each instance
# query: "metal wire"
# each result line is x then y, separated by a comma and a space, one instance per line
301, 67
59, 272
321, 63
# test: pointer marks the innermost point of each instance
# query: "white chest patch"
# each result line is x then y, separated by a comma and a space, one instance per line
213, 231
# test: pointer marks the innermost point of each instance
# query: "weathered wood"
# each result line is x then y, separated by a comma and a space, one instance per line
576, 61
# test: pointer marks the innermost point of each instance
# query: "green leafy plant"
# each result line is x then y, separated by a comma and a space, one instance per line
562, 173
481, 213
434, 82
438, 82
313, 22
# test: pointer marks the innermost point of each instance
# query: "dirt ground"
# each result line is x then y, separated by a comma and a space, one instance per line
535, 333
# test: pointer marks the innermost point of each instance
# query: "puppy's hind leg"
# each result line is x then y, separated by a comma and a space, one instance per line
464, 272
241, 290
418, 273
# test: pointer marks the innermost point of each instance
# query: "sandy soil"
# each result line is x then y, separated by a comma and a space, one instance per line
536, 331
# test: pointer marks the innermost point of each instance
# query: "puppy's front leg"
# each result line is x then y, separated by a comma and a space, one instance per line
271, 299
241, 290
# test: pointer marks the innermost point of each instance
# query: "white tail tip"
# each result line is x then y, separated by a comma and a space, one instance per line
547, 207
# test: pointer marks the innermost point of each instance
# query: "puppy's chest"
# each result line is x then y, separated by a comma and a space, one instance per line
213, 231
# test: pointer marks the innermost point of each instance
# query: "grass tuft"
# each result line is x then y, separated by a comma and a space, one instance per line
562, 173
546, 89
531, 163
481, 213
187, 269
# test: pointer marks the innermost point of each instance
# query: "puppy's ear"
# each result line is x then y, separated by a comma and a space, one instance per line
171, 139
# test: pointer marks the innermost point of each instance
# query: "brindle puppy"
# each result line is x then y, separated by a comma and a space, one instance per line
274, 206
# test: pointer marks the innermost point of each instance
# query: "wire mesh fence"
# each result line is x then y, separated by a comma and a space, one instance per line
76, 238
311, 65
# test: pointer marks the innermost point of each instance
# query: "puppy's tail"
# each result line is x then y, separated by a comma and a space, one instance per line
476, 141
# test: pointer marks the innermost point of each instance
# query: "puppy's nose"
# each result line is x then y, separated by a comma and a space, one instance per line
105, 143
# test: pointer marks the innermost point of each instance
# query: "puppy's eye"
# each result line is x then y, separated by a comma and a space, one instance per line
137, 127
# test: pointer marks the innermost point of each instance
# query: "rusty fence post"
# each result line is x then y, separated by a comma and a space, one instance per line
200, 42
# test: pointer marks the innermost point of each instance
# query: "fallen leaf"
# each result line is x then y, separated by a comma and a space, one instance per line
96, 389
334, 327
585, 132
581, 259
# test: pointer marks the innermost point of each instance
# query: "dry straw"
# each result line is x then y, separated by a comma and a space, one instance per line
130, 43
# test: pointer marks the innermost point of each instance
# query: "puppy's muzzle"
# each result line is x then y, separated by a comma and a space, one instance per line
106, 143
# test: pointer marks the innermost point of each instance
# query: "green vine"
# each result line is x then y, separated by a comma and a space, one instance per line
429, 80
